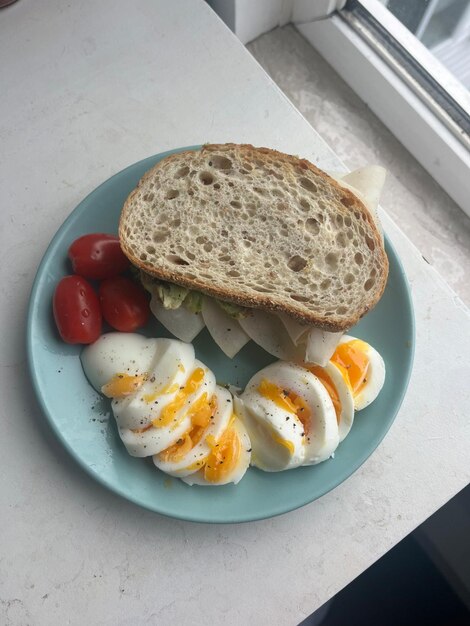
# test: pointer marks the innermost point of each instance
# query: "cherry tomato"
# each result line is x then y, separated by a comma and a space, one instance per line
124, 304
97, 256
77, 311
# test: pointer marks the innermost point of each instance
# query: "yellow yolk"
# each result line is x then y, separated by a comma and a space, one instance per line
287, 400
286, 443
170, 388
122, 385
320, 373
201, 412
354, 363
224, 455
169, 413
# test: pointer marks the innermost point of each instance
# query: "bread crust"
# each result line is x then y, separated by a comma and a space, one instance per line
263, 301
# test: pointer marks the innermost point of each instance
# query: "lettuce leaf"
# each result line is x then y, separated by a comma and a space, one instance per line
173, 296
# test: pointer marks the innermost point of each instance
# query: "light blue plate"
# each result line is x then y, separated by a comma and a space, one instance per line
81, 417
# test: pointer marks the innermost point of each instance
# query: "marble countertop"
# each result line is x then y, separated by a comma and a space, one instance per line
86, 90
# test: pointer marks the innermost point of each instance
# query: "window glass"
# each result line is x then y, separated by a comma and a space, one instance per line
443, 26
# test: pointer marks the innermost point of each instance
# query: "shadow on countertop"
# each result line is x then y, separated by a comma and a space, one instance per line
425, 579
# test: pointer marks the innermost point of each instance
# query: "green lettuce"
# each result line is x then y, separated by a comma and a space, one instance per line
173, 296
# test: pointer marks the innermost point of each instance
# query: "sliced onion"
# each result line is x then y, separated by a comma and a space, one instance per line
320, 346
369, 182
180, 322
295, 329
267, 330
224, 329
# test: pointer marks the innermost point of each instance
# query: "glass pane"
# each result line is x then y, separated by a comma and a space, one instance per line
443, 26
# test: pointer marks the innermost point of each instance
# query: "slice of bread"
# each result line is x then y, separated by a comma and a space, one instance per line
259, 228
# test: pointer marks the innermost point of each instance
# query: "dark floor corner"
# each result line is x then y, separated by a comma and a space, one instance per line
425, 579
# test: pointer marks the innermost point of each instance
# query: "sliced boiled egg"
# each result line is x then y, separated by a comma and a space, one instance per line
297, 417
276, 435
152, 383
170, 422
228, 459
128, 354
340, 393
210, 416
362, 368
276, 444
169, 371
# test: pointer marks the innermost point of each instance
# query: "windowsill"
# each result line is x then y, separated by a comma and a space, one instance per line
428, 216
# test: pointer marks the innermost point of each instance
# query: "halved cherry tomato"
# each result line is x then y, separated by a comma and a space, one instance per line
124, 304
97, 256
77, 311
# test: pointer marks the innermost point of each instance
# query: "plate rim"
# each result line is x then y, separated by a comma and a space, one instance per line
159, 507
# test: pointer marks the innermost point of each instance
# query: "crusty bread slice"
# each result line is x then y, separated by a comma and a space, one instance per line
259, 228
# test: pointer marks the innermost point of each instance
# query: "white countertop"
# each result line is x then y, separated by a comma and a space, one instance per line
88, 88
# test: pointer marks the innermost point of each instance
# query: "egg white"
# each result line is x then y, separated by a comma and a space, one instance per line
153, 440
171, 367
267, 427
198, 454
375, 375
158, 438
323, 438
118, 353
237, 472
346, 417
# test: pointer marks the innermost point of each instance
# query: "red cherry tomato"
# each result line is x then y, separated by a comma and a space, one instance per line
77, 311
124, 304
97, 256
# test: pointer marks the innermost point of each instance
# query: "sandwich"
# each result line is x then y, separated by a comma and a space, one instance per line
257, 244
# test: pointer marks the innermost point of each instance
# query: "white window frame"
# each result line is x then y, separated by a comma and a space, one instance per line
401, 104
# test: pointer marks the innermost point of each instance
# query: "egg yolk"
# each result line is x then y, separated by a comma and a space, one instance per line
224, 456
287, 400
122, 385
286, 443
170, 388
168, 414
201, 413
320, 373
353, 362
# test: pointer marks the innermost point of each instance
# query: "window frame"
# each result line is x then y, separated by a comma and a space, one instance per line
422, 124
413, 61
